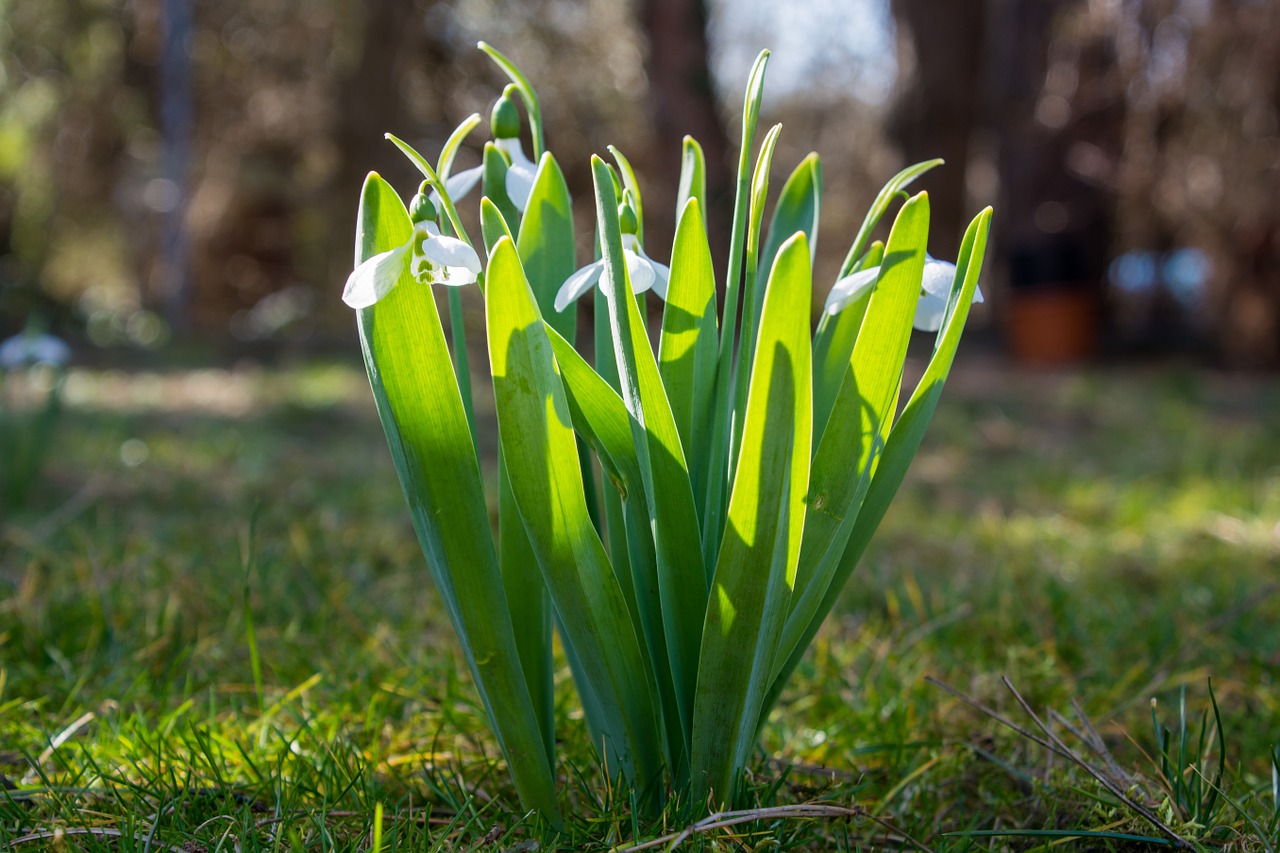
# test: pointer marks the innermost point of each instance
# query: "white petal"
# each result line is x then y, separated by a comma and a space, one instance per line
977, 294
661, 276
577, 284
929, 312
453, 253
520, 174
850, 289
374, 278
23, 349
938, 278
640, 271
458, 186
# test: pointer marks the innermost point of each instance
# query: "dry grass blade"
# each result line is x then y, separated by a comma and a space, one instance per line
721, 820
1056, 745
101, 831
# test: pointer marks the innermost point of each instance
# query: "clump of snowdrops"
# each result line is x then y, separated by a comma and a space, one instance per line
745, 462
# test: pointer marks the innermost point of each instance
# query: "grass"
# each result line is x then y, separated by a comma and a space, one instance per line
1099, 538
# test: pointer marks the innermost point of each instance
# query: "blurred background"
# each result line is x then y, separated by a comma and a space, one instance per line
181, 175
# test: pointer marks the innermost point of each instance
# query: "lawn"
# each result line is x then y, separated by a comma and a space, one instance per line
217, 633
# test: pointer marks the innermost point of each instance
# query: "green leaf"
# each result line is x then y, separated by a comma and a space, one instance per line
493, 227
601, 418
688, 348
682, 581
631, 182
878, 208
494, 185
542, 464
527, 94
904, 439
721, 425
693, 176
445, 164
755, 573
752, 293
861, 417
797, 209
833, 344
546, 243
431, 445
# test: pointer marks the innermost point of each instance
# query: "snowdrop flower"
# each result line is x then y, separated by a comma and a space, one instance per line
935, 289
430, 258
504, 121
645, 273
28, 348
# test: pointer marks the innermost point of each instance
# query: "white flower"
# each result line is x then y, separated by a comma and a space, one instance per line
429, 257
27, 349
935, 289
644, 272
520, 175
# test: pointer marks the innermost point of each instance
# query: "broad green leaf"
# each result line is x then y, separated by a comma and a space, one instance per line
797, 209
682, 581
693, 176
542, 464
688, 348
861, 417
546, 243
752, 292
494, 185
878, 208
755, 573
492, 224
721, 421
431, 445
531, 617
527, 94
904, 439
600, 417
833, 345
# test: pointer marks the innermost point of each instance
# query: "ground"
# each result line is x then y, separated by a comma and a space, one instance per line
217, 632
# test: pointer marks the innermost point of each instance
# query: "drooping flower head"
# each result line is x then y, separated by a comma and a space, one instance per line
429, 257
935, 288
504, 122
645, 273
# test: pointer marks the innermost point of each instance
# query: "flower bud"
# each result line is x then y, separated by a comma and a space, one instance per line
421, 209
504, 121
627, 220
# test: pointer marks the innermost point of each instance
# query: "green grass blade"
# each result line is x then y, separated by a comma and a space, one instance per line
430, 440
721, 425
693, 176
878, 209
527, 94
687, 351
904, 438
756, 568
682, 581
833, 345
542, 464
546, 243
863, 412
